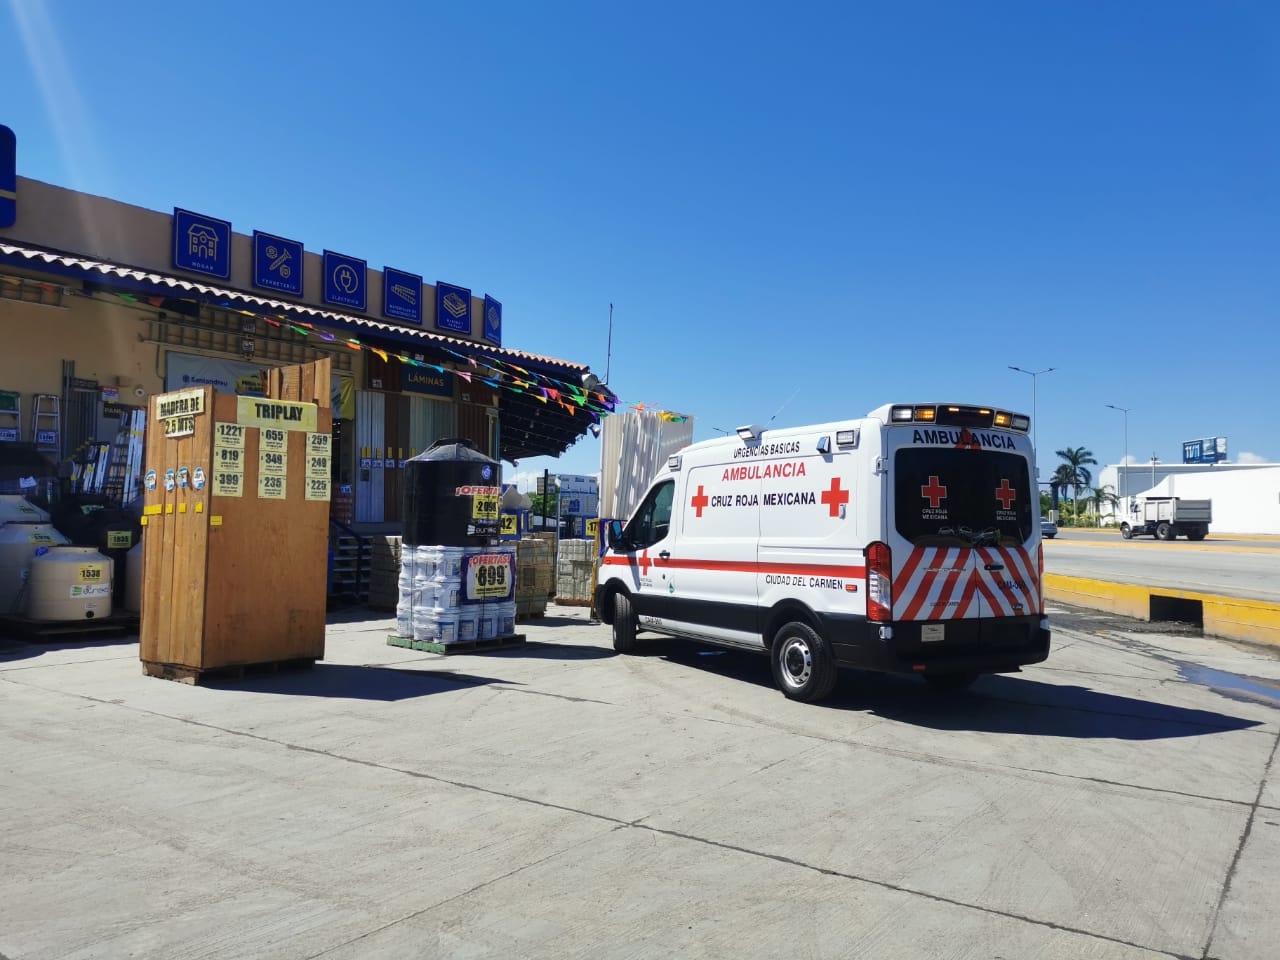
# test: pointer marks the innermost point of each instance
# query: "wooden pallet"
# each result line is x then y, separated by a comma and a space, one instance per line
53, 631
573, 602
198, 675
460, 646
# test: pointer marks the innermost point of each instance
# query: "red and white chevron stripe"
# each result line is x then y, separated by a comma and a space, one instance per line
950, 583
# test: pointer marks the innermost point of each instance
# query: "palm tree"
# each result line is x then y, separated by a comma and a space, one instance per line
1062, 478
1077, 459
1099, 497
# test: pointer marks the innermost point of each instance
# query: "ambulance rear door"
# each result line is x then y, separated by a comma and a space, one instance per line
960, 512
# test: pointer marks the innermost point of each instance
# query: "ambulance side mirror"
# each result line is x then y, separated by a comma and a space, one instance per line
613, 534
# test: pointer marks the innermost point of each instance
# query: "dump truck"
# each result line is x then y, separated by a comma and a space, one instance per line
1167, 518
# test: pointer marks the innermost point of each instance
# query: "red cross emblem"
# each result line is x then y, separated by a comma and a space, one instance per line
967, 440
644, 561
835, 498
1005, 493
700, 500
934, 491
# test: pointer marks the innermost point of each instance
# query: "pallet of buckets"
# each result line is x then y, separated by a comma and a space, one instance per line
456, 598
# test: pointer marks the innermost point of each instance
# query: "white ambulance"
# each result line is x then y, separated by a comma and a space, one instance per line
906, 542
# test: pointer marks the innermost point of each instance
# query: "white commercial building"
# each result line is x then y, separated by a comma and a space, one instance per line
1246, 496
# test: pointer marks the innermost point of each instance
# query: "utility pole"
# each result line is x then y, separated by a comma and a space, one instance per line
1033, 374
1125, 481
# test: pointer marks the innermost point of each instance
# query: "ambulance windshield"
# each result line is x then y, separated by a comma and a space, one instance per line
956, 497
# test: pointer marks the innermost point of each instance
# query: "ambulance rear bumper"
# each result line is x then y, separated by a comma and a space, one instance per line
989, 645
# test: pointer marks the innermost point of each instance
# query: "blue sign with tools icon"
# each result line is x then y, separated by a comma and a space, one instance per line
453, 308
345, 281
401, 295
201, 244
492, 320
8, 177
277, 263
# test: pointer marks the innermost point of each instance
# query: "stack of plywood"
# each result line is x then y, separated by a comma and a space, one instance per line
384, 572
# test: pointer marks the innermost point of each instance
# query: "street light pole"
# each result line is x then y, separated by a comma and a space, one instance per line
1033, 374
1125, 482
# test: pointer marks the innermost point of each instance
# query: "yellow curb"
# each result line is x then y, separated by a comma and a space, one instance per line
1235, 618
1144, 544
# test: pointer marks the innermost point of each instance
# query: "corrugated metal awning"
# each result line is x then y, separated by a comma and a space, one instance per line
65, 262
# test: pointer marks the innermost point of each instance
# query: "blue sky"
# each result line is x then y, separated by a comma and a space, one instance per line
870, 202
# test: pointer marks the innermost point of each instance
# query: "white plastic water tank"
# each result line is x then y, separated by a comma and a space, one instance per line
15, 509
19, 544
133, 579
70, 583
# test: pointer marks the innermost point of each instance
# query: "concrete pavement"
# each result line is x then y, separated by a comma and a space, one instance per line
1120, 800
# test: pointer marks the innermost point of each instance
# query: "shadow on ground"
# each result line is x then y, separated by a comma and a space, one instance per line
1003, 703
348, 682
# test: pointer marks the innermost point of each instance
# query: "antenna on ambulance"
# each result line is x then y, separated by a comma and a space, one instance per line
783, 407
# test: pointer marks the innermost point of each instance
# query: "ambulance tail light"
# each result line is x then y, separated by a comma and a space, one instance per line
1040, 574
879, 582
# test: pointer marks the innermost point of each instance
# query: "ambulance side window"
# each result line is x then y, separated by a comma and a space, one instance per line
653, 519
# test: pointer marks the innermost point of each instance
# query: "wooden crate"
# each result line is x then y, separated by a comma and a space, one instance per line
235, 580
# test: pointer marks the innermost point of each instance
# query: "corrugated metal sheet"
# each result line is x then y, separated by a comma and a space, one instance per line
647, 441
370, 440
429, 421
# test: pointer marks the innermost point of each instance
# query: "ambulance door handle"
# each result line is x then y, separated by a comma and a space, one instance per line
665, 554
993, 566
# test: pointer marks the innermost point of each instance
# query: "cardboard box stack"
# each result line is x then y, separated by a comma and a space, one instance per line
534, 575
384, 572
575, 572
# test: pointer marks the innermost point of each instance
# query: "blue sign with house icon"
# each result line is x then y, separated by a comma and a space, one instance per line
492, 320
201, 244
277, 263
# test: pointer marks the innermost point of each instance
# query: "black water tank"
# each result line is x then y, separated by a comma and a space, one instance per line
451, 496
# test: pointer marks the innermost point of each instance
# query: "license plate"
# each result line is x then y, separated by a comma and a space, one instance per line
932, 632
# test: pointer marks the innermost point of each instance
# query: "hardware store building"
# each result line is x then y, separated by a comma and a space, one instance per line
103, 304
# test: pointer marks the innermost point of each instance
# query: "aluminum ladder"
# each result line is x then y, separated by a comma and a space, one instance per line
46, 422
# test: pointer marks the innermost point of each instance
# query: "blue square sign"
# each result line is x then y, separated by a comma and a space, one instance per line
453, 308
401, 295
345, 281
277, 263
492, 320
8, 177
201, 244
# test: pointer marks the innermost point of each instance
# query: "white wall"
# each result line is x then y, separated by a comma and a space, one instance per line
1246, 498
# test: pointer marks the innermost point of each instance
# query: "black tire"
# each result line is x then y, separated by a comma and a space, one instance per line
1165, 532
1126, 531
803, 667
624, 624
1050, 536
1197, 534
950, 682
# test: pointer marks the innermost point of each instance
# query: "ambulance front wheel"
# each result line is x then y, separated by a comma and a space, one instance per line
624, 624
802, 664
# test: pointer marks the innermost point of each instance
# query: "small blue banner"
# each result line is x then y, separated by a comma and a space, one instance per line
277, 263
425, 380
345, 281
492, 320
8, 177
401, 295
453, 308
201, 244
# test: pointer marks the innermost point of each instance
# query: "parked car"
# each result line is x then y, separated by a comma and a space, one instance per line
1048, 529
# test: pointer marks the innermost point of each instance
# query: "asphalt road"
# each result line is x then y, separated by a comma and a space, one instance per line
1119, 801
1232, 567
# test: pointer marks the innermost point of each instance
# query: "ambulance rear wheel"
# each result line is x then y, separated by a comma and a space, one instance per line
624, 624
802, 664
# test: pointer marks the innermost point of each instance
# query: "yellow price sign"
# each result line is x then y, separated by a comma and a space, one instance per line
484, 507
509, 525
119, 539
593, 527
